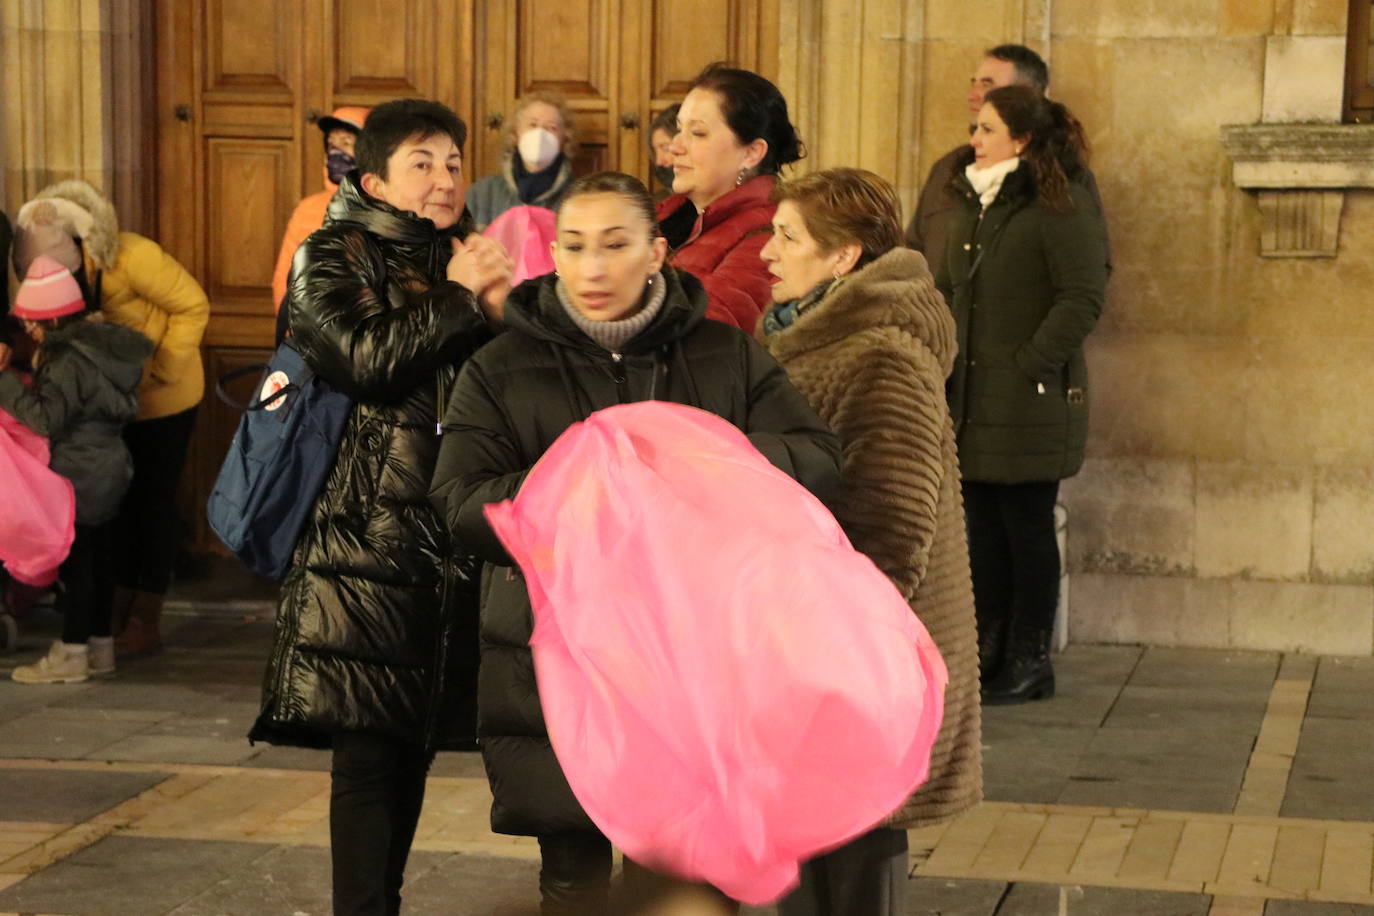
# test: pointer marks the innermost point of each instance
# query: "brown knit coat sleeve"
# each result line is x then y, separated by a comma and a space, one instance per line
890, 422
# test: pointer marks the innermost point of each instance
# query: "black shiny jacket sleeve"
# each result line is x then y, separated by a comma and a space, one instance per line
372, 334
480, 462
782, 425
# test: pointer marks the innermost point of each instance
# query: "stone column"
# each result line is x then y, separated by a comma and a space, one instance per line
75, 82
54, 79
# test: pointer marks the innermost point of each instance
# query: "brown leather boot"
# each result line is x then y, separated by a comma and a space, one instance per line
141, 635
120, 607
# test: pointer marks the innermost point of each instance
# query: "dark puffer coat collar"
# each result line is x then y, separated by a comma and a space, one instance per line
351, 204
533, 308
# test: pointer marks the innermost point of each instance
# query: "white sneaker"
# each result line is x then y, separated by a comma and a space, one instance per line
57, 667
100, 656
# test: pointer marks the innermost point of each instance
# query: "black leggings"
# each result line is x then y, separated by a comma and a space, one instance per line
147, 530
86, 585
376, 794
1013, 554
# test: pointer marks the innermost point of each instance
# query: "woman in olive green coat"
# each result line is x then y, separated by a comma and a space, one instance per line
1025, 275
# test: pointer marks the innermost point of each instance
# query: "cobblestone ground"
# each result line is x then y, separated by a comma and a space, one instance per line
1158, 781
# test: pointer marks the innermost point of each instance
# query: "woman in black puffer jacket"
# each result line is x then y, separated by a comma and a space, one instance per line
370, 656
616, 327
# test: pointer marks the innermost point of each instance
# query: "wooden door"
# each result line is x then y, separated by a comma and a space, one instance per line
240, 86
679, 37
617, 62
242, 82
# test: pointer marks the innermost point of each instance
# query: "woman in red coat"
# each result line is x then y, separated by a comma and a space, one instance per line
733, 137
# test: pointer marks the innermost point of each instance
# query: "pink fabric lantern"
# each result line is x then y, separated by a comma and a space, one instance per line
526, 232
729, 686
38, 515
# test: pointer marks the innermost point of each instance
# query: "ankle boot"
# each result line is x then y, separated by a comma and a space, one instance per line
992, 646
142, 635
120, 606
1026, 671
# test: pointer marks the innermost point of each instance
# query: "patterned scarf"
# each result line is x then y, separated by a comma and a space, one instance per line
783, 314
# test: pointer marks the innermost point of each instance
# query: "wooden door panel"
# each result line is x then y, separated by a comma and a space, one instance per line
250, 46
564, 47
249, 194
679, 53
570, 47
383, 48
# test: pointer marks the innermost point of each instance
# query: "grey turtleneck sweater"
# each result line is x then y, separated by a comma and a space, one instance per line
613, 335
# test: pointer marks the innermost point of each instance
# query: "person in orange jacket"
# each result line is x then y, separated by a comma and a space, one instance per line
340, 131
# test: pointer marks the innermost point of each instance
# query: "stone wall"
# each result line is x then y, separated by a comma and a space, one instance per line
1228, 497
77, 100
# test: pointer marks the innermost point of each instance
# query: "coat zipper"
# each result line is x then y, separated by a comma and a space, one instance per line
618, 376
440, 645
440, 399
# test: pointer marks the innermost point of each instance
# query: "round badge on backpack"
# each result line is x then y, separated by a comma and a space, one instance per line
270, 386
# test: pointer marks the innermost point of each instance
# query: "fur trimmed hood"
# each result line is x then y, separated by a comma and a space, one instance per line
895, 290
82, 212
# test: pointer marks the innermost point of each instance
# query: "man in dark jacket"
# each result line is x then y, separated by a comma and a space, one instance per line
369, 660
1001, 66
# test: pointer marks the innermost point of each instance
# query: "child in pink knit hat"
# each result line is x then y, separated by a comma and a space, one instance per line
84, 389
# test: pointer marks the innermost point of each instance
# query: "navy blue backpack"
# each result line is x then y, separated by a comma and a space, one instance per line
282, 452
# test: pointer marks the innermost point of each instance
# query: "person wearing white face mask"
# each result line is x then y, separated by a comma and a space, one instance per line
537, 166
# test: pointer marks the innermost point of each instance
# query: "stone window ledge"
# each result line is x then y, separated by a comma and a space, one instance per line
1300, 173
1300, 155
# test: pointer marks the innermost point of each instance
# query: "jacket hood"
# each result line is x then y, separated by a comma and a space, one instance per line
895, 290
533, 309
87, 215
351, 204
118, 352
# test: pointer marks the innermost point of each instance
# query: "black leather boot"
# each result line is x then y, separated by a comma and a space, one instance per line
992, 645
1026, 673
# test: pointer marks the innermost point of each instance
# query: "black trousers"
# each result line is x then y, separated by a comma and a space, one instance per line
148, 529
87, 589
378, 788
1013, 554
575, 880
574, 874
865, 877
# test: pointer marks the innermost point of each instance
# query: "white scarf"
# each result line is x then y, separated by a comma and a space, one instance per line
987, 182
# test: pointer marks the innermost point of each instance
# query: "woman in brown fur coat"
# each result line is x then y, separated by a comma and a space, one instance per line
862, 332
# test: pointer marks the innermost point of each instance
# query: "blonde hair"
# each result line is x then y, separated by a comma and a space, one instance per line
570, 146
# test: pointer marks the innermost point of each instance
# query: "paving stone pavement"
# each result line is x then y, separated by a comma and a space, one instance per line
1169, 782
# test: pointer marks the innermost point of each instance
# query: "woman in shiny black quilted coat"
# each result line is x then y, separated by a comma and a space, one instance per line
369, 657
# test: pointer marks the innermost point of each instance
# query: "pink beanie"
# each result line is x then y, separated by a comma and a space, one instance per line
49, 291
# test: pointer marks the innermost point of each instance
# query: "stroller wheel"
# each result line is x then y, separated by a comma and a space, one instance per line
9, 633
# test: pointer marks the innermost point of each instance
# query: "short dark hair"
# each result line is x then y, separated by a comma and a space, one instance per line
1031, 68
393, 123
753, 108
664, 120
626, 186
843, 206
